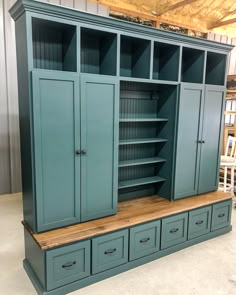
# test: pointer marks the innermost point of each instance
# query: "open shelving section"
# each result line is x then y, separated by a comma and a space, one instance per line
54, 45
166, 61
98, 52
135, 57
215, 68
147, 116
192, 65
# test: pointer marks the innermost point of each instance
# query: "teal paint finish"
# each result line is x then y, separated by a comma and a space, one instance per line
54, 45
166, 61
67, 264
135, 57
99, 138
215, 68
144, 239
56, 112
27, 162
98, 52
35, 258
109, 251
192, 65
189, 133
210, 149
199, 222
119, 269
221, 215
174, 230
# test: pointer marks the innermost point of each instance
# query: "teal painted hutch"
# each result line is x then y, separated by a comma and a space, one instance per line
119, 123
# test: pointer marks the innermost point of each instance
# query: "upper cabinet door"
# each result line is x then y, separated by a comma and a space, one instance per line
188, 152
56, 123
99, 144
211, 138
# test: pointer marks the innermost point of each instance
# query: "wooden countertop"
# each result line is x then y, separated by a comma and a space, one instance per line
130, 213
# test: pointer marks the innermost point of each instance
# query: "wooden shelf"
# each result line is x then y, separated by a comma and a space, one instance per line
141, 141
144, 120
141, 162
140, 181
130, 213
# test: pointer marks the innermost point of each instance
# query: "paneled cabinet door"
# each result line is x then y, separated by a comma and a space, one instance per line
188, 137
211, 138
99, 146
56, 135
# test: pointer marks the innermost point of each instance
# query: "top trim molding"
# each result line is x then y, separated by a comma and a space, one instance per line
22, 6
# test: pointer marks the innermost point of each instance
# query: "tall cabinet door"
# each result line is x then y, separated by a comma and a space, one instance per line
211, 138
56, 129
187, 150
99, 143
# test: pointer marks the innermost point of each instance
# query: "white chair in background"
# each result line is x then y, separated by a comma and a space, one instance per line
228, 161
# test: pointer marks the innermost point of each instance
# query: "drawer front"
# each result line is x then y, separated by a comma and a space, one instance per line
199, 222
109, 251
221, 215
144, 239
67, 264
174, 230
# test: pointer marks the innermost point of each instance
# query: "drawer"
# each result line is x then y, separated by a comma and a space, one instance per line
199, 222
221, 215
144, 239
67, 264
174, 230
109, 251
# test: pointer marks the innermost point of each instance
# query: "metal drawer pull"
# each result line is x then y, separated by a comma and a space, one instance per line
174, 230
221, 215
199, 222
145, 240
110, 251
68, 264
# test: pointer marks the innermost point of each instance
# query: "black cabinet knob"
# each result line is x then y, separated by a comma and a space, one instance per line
83, 152
78, 152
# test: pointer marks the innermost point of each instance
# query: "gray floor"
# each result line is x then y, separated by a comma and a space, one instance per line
208, 268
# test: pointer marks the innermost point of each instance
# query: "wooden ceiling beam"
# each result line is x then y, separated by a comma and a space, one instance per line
175, 6
222, 23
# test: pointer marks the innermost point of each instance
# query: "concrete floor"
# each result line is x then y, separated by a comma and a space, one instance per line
208, 268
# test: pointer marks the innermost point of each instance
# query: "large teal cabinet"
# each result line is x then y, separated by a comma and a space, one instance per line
198, 139
111, 111
75, 147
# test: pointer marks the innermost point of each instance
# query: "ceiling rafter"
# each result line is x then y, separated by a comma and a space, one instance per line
175, 6
222, 23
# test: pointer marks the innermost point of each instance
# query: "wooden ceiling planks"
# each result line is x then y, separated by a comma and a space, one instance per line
218, 16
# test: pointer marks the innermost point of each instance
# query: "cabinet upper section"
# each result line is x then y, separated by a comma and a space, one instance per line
65, 39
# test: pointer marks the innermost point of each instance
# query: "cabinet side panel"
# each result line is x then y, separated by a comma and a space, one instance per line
25, 120
35, 257
208, 174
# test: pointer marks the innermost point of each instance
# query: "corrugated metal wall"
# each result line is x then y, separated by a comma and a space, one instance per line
10, 171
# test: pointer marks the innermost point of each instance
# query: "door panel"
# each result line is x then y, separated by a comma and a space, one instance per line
56, 136
99, 137
187, 152
211, 133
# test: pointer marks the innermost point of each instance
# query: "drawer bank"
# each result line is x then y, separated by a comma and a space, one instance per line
63, 260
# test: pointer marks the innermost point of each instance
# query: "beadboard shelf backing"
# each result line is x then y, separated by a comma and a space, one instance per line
192, 65
215, 68
142, 107
98, 52
54, 45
